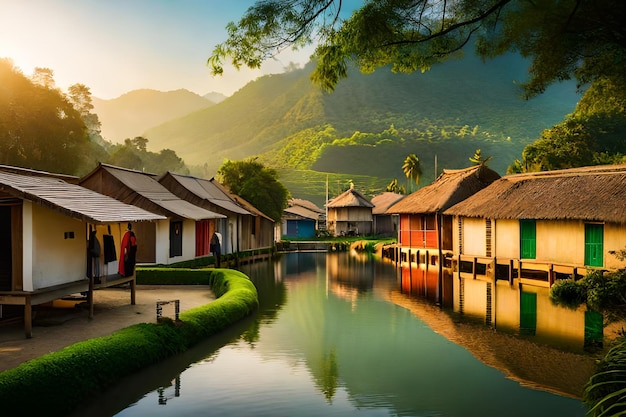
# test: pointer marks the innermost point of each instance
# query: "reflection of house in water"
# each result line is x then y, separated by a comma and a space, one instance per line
425, 235
515, 238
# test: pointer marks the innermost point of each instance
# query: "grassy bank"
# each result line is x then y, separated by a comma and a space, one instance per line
56, 383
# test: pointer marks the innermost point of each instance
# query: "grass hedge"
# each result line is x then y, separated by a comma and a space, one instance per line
56, 383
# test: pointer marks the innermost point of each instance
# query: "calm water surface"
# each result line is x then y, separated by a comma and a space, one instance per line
333, 337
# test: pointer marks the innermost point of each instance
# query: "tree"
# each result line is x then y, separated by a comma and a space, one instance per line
39, 128
592, 135
564, 39
477, 159
412, 169
394, 187
256, 184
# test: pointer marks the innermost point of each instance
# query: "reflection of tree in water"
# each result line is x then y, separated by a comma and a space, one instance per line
330, 372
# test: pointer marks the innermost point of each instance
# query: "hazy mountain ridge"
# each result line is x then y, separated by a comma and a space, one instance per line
133, 113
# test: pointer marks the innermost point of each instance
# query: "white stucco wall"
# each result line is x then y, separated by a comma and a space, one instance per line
162, 241
55, 258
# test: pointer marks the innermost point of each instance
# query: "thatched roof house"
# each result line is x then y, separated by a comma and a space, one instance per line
451, 187
422, 221
589, 193
573, 217
350, 213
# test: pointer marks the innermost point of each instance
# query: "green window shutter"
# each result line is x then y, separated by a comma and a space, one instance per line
528, 239
594, 244
528, 313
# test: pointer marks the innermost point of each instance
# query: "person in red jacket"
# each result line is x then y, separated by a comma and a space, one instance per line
128, 253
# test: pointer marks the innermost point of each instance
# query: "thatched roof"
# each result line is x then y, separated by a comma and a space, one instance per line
589, 193
350, 198
383, 201
451, 187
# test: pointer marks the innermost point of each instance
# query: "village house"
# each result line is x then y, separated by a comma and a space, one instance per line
301, 219
260, 231
235, 227
173, 239
350, 214
45, 225
385, 224
425, 232
516, 237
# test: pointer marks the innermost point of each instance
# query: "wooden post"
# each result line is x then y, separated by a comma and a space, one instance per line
551, 275
28, 317
133, 288
90, 297
474, 268
511, 272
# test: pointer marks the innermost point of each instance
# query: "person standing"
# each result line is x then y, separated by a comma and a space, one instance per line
128, 253
216, 248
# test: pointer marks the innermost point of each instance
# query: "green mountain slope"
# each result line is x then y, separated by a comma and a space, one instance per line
371, 122
132, 113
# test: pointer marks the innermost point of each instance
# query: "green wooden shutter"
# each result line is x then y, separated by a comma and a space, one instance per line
528, 313
594, 244
528, 239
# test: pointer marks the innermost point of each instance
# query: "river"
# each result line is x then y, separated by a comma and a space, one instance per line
336, 336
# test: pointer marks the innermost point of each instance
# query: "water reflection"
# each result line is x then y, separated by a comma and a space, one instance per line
339, 335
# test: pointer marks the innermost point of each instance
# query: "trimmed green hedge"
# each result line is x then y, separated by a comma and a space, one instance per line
56, 383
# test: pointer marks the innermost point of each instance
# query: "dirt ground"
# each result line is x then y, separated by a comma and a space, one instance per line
67, 321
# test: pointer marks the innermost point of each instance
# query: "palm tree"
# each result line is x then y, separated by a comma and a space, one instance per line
412, 169
394, 187
477, 159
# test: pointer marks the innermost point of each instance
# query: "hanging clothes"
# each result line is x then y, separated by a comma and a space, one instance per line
128, 253
109, 249
93, 257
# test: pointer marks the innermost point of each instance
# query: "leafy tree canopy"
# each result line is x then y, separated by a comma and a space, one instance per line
133, 154
592, 135
582, 39
257, 184
39, 127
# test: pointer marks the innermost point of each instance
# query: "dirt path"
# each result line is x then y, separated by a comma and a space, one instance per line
68, 321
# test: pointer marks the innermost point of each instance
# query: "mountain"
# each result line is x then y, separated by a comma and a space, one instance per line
215, 97
133, 113
461, 93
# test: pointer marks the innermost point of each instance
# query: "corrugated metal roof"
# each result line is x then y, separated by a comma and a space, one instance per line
304, 203
207, 190
303, 212
590, 193
147, 186
71, 199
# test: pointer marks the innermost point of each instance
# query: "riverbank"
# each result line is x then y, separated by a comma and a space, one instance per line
67, 322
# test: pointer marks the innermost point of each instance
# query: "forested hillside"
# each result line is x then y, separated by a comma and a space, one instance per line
370, 123
131, 114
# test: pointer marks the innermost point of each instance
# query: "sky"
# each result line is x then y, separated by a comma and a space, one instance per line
116, 46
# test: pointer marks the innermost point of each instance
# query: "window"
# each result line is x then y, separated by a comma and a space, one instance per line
594, 244
528, 239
